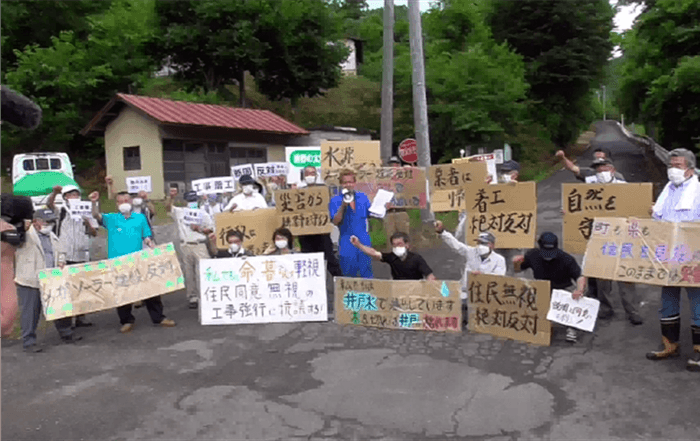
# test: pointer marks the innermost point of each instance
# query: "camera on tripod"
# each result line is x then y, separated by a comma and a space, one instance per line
15, 210
348, 196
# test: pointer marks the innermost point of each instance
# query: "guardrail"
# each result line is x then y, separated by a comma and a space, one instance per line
661, 153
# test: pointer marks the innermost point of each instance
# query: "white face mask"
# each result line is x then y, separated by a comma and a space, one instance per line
233, 248
506, 178
125, 208
676, 175
46, 229
247, 189
281, 244
483, 250
309, 179
137, 201
273, 186
399, 251
604, 177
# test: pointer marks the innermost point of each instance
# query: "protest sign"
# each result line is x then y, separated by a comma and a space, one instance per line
264, 289
490, 159
509, 307
134, 184
304, 211
239, 170
78, 209
644, 251
222, 184
581, 313
450, 184
584, 202
192, 216
256, 226
341, 154
268, 169
106, 284
508, 211
399, 304
300, 157
407, 184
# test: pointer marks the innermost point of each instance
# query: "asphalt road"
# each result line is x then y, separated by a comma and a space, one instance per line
324, 381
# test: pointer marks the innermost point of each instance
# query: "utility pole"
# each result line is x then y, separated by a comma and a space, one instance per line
420, 104
604, 115
387, 128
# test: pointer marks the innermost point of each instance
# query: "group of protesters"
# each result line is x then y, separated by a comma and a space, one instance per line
56, 239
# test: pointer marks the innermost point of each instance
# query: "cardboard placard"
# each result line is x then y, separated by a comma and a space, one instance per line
644, 251
134, 184
268, 169
78, 209
581, 314
508, 211
399, 304
341, 154
407, 184
265, 289
509, 307
450, 183
106, 284
257, 227
224, 184
584, 202
490, 159
304, 211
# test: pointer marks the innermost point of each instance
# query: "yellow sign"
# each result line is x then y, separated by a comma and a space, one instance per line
304, 211
257, 227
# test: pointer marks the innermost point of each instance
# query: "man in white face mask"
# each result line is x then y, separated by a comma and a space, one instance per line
249, 198
679, 202
405, 265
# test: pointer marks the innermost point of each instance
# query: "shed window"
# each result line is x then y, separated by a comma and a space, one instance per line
132, 158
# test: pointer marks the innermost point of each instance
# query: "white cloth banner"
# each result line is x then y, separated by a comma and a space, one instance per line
263, 289
581, 313
223, 184
134, 184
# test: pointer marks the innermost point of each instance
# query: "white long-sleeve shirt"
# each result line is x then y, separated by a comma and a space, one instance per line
493, 264
243, 202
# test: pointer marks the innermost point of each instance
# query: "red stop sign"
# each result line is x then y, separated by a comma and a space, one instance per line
408, 150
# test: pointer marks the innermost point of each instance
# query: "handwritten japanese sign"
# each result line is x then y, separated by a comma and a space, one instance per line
644, 251
256, 226
509, 307
271, 169
239, 170
224, 184
264, 289
490, 159
78, 208
106, 284
581, 313
407, 184
192, 216
451, 183
420, 305
134, 184
584, 202
341, 154
304, 211
508, 211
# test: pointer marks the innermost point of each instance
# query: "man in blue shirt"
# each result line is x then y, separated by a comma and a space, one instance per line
126, 233
350, 211
679, 202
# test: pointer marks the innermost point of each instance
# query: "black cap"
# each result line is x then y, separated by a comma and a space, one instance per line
394, 159
486, 237
45, 214
191, 196
248, 180
510, 166
549, 244
601, 161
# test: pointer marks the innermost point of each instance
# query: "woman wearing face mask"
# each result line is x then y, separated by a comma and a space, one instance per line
249, 198
283, 242
234, 240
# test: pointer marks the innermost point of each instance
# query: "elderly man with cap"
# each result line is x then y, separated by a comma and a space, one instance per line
586, 174
41, 250
73, 234
548, 262
679, 202
193, 241
396, 219
249, 198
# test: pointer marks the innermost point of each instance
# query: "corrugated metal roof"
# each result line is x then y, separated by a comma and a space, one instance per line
185, 113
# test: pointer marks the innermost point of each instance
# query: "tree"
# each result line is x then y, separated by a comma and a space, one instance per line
565, 45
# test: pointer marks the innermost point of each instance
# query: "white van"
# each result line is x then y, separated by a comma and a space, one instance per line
25, 164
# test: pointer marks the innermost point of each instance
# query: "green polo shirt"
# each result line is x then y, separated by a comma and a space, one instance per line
124, 235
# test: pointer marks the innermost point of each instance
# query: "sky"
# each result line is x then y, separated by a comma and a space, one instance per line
623, 20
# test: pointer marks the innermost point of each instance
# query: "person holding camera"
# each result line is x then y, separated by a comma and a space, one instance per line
350, 212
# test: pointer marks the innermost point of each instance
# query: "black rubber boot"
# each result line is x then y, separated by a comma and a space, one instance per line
693, 363
670, 334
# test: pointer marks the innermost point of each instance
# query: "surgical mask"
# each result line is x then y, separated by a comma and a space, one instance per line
124, 208
192, 205
137, 201
233, 248
676, 175
247, 189
46, 229
273, 186
604, 177
309, 179
399, 251
281, 244
506, 179
483, 250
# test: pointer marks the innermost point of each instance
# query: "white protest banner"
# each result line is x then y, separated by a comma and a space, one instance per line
134, 184
192, 217
106, 284
263, 289
300, 157
78, 209
581, 313
244, 169
223, 184
268, 169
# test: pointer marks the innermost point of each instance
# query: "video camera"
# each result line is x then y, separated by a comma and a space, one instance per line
15, 210
348, 196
